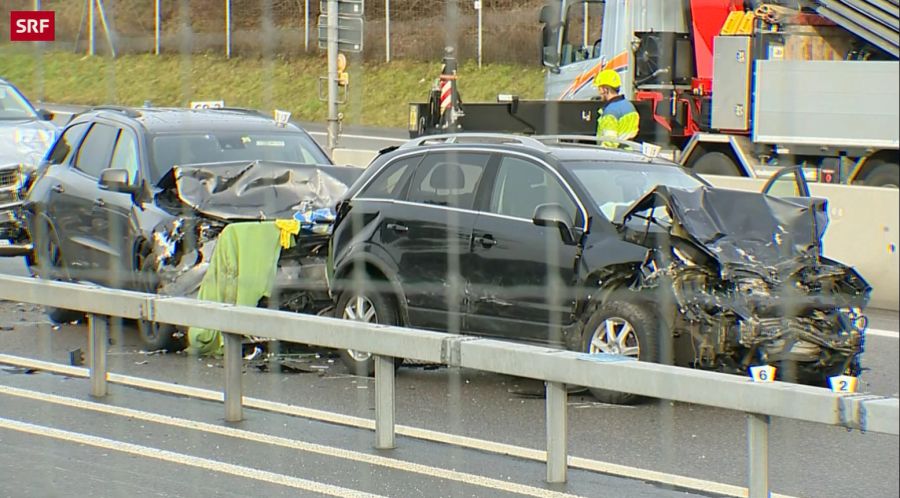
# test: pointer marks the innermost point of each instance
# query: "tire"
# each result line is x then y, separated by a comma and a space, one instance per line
716, 163
155, 336
376, 308
883, 174
636, 329
46, 263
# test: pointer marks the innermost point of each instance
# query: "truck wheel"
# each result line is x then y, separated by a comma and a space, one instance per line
716, 163
625, 327
883, 174
365, 305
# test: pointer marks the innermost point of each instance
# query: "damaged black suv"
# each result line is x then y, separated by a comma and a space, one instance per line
135, 198
551, 241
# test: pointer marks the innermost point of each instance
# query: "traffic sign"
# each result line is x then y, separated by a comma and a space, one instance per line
345, 7
350, 33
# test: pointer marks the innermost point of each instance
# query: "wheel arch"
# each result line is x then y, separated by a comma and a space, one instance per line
377, 270
870, 162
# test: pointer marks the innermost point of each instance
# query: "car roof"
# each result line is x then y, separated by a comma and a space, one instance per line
164, 119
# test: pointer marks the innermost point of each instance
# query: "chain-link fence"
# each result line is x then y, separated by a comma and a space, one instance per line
402, 29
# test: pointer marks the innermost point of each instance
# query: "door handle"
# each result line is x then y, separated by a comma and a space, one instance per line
486, 240
99, 202
58, 189
397, 227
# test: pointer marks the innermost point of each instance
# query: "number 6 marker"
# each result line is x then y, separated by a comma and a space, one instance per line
763, 373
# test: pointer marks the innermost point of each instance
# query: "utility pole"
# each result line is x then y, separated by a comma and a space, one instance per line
332, 75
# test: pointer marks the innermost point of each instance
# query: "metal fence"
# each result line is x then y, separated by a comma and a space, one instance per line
498, 31
557, 368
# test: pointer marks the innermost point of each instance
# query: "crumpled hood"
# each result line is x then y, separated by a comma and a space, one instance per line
746, 230
25, 141
254, 190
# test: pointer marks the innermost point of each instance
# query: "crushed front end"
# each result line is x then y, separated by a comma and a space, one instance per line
749, 286
14, 239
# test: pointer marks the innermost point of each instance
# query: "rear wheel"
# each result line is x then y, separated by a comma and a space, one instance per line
716, 163
624, 327
883, 174
367, 306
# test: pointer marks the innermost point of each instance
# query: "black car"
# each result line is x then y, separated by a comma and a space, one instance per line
552, 241
135, 198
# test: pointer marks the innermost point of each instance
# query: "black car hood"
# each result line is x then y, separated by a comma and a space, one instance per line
254, 190
745, 230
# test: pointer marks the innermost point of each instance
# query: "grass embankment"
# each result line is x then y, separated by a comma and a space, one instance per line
378, 96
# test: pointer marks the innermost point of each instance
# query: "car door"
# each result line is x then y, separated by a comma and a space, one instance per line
71, 201
521, 275
790, 184
110, 216
428, 236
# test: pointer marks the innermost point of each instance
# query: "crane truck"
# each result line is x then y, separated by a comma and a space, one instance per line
728, 87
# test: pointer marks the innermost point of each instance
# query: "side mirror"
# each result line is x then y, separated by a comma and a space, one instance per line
44, 114
116, 180
548, 215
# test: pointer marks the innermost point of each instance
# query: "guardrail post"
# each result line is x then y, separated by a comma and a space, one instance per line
97, 343
384, 402
233, 390
557, 397
758, 441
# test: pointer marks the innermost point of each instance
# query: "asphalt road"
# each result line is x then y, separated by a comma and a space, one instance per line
685, 440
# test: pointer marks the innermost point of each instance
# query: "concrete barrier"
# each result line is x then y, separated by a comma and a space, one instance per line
862, 232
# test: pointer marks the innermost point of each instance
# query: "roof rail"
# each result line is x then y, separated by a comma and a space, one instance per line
244, 110
587, 140
128, 111
646, 149
456, 138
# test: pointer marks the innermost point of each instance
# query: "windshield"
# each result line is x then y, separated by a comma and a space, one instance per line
614, 187
170, 149
13, 105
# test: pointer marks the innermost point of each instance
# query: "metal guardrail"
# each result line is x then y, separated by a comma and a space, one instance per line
759, 401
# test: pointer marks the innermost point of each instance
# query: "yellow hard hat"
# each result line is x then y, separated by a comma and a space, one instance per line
609, 78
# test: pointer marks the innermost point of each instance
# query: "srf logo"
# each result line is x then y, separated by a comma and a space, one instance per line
32, 25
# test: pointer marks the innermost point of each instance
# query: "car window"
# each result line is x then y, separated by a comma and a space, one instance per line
521, 186
448, 179
67, 144
389, 182
125, 155
93, 156
13, 105
193, 148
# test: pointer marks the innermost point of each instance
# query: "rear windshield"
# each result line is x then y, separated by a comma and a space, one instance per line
180, 149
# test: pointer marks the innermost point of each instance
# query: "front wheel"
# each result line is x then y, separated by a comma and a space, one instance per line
155, 336
47, 262
370, 307
623, 327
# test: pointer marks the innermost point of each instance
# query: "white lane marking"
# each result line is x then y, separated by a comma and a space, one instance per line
883, 333
181, 459
423, 434
363, 137
391, 463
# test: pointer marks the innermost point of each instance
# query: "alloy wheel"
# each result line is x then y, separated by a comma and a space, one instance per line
615, 336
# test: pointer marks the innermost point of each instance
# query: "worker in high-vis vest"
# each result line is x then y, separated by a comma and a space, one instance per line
618, 118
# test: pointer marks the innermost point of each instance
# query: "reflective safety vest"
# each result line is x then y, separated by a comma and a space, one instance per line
618, 119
